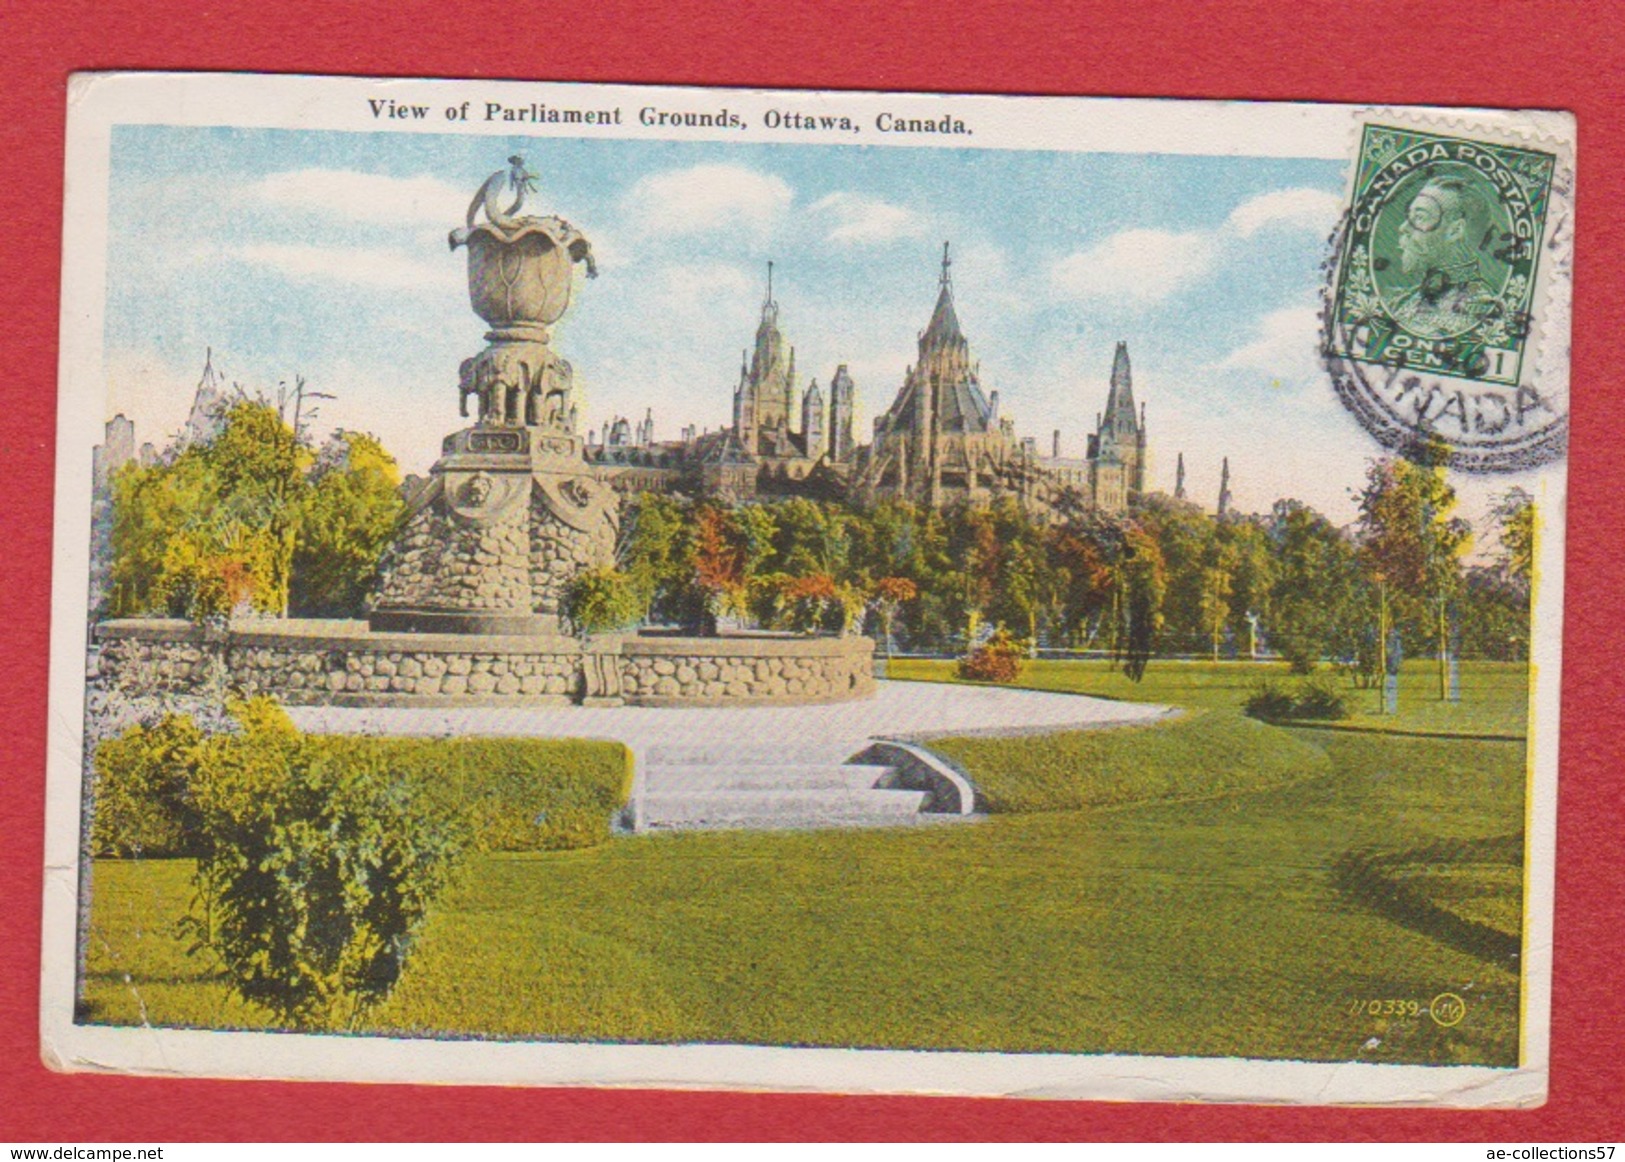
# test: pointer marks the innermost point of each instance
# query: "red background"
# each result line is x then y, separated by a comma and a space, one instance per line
1443, 52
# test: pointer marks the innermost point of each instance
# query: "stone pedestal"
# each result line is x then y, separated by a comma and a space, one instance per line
509, 516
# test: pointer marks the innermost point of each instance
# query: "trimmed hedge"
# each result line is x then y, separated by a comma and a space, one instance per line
1201, 754
513, 794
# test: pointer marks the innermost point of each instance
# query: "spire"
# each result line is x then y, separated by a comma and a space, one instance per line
944, 325
1120, 408
1179, 478
770, 306
1224, 488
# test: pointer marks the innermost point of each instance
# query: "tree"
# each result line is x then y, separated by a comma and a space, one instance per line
216, 525
654, 553
1188, 539
1143, 582
1215, 601
1411, 544
1245, 545
888, 595
719, 564
350, 515
1516, 521
1319, 601
1082, 577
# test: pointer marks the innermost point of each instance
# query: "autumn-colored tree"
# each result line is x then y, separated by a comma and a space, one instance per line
1412, 545
216, 525
1083, 578
888, 595
719, 563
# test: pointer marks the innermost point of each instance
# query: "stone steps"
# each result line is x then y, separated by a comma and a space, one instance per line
854, 777
747, 754
779, 810
716, 787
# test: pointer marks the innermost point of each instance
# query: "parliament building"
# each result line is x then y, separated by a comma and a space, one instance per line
940, 442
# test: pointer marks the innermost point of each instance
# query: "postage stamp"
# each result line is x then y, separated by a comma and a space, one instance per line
1434, 318
872, 592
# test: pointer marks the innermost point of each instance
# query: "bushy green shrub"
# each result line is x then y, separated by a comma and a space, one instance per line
1270, 700
142, 801
1320, 698
1315, 699
319, 866
318, 856
999, 659
602, 600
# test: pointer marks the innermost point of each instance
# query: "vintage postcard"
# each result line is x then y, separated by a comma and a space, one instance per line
577, 584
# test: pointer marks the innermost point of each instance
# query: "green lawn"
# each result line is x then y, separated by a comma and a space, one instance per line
1192, 924
1494, 695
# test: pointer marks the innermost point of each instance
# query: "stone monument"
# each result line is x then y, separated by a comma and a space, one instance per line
469, 604
510, 512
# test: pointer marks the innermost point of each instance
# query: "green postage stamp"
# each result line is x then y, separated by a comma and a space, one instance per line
1435, 294
572, 584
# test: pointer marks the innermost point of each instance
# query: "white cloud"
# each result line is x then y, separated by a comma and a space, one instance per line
384, 269
704, 198
364, 197
1144, 266
857, 219
1284, 347
1301, 207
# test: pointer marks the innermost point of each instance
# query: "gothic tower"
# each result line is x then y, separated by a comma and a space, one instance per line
772, 366
1117, 449
942, 381
1224, 488
812, 421
1179, 478
745, 406
841, 392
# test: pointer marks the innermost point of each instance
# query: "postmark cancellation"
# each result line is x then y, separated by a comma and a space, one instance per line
1450, 274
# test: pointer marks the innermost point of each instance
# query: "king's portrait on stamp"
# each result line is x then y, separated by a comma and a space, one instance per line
784, 594
1433, 325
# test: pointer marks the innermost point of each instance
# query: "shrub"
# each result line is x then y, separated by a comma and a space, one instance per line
999, 659
603, 600
319, 856
1321, 699
1316, 699
319, 867
142, 802
1269, 700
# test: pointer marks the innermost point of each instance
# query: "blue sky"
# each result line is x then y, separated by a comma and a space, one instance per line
324, 254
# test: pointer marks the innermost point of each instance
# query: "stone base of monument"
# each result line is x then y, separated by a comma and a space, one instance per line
347, 663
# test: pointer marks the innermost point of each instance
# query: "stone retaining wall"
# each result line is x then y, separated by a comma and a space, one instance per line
745, 671
343, 663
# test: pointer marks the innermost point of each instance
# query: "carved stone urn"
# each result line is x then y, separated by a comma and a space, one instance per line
519, 282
